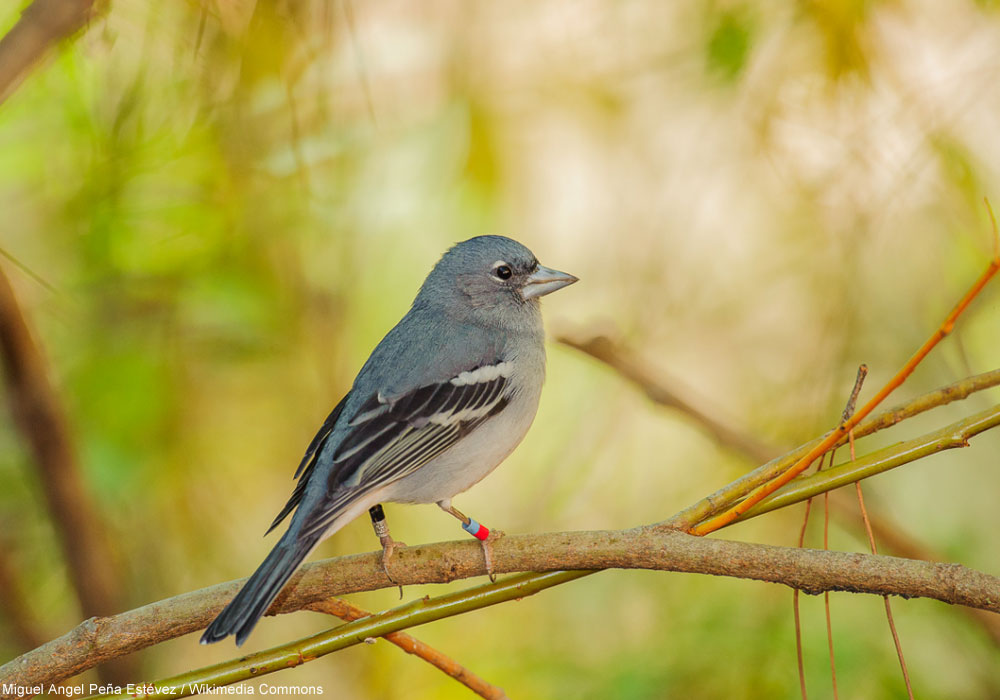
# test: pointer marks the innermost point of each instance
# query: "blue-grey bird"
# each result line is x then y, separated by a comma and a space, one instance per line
443, 399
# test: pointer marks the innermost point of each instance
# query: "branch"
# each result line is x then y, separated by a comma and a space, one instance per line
630, 366
39, 416
733, 491
40, 26
296, 653
98, 640
949, 437
894, 539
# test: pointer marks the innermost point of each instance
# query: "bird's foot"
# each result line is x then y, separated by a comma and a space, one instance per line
487, 545
389, 547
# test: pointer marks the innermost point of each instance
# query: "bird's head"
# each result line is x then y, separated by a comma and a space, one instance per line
490, 277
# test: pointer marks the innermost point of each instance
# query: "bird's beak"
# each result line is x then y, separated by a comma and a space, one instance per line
545, 281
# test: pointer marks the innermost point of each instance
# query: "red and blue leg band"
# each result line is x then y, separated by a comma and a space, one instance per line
480, 532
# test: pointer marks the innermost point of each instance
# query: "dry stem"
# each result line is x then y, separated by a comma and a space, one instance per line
411, 645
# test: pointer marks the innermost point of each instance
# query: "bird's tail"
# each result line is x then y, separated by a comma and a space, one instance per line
256, 596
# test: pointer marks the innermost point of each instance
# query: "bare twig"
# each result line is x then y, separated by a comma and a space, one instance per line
895, 540
39, 416
826, 599
845, 416
349, 613
795, 609
888, 605
852, 400
41, 25
956, 435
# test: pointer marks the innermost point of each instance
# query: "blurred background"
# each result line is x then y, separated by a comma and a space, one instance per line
213, 211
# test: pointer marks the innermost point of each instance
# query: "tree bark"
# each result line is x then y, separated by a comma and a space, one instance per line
812, 571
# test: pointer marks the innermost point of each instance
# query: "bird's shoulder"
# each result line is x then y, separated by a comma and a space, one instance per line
427, 348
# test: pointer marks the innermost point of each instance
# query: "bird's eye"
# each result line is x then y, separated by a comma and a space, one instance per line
503, 272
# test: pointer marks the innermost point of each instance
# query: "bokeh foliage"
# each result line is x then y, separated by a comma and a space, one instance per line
221, 207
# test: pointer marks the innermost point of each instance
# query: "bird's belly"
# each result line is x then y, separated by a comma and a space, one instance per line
471, 459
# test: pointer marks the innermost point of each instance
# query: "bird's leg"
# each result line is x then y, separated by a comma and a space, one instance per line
389, 545
480, 532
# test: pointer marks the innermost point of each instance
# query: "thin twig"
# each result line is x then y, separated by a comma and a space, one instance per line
795, 609
826, 597
28, 271
411, 645
845, 416
953, 436
417, 612
896, 542
301, 168
888, 605
859, 380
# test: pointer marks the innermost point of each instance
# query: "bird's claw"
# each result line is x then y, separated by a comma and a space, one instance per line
389, 547
487, 545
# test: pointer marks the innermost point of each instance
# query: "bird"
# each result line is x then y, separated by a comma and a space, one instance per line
442, 400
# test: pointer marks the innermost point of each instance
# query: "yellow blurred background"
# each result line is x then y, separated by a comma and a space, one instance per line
217, 209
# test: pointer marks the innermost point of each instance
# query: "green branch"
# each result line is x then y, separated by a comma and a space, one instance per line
736, 490
290, 655
947, 438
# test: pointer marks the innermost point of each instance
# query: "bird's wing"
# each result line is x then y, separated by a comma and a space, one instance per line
391, 437
308, 462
